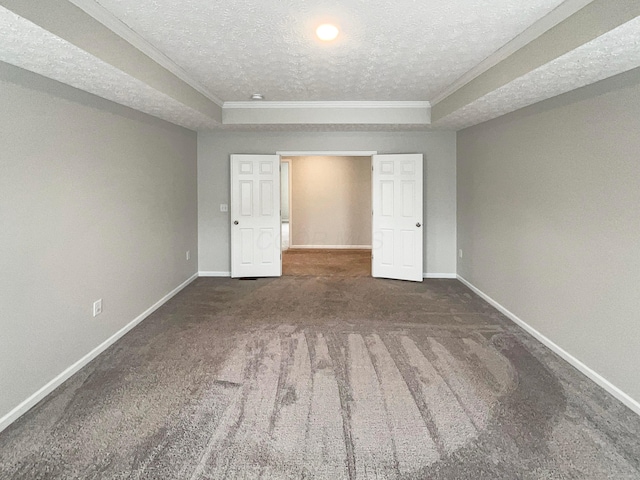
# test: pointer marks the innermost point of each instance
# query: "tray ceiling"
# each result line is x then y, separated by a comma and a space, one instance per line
206, 55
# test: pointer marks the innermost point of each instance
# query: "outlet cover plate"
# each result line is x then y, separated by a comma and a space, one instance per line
97, 307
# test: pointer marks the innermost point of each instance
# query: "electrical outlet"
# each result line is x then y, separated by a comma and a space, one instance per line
460, 253
224, 207
188, 254
97, 307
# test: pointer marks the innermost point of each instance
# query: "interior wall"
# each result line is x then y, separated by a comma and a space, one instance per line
96, 201
549, 221
331, 201
438, 148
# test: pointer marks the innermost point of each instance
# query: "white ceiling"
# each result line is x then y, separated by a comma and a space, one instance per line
387, 50
404, 50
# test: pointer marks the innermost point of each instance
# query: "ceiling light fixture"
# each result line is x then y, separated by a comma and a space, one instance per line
257, 96
327, 32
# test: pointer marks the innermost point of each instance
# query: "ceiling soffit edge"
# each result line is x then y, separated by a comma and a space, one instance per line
597, 18
117, 26
70, 24
556, 16
399, 113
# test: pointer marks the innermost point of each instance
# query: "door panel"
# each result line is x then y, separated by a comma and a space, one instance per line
408, 199
397, 217
246, 246
386, 198
266, 198
255, 206
246, 198
387, 247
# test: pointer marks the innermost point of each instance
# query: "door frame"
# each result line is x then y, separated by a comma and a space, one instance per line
289, 163
320, 153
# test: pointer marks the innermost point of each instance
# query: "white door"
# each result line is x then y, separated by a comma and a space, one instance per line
255, 216
397, 217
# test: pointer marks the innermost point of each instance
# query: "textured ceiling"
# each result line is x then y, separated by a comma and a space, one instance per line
615, 52
388, 50
28, 46
402, 50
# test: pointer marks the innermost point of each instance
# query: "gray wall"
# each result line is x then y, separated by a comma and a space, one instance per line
549, 222
96, 201
439, 149
331, 201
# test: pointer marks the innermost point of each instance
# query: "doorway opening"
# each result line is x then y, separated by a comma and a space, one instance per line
326, 215
396, 240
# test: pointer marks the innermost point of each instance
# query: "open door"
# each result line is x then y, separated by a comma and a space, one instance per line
397, 240
255, 216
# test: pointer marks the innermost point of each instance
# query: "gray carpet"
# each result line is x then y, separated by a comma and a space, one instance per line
325, 378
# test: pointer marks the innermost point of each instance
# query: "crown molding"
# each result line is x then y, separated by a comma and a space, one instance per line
261, 104
117, 26
553, 18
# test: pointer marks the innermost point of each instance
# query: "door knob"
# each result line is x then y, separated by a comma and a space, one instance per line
236, 222
418, 224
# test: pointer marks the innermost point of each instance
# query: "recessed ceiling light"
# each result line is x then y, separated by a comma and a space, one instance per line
327, 32
257, 96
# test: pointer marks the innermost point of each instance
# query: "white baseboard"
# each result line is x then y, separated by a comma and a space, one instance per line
439, 275
334, 247
214, 274
425, 275
32, 400
592, 374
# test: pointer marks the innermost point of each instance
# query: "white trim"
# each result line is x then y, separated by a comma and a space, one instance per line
347, 104
439, 275
556, 16
290, 162
334, 153
214, 274
117, 26
333, 247
289, 188
33, 399
592, 374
